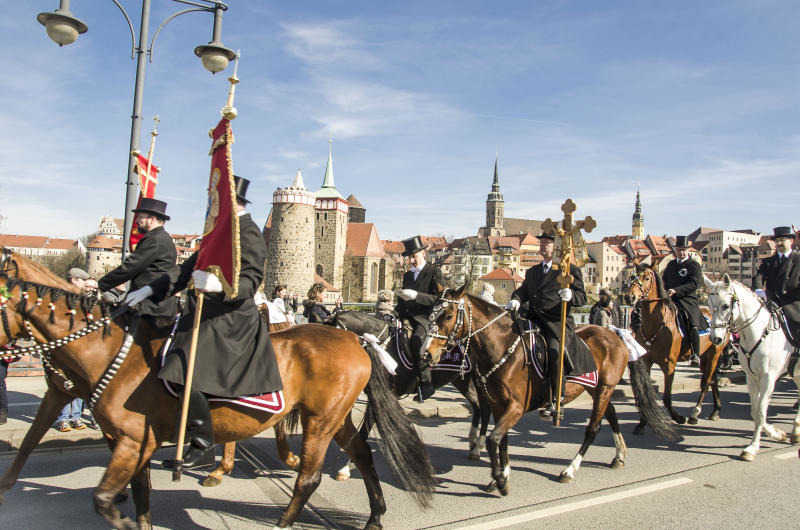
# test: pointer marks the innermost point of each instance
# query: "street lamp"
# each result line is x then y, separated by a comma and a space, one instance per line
63, 28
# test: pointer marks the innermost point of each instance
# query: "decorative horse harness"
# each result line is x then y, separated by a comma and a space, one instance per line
44, 350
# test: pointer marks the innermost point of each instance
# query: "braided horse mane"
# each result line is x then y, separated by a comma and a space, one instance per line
55, 286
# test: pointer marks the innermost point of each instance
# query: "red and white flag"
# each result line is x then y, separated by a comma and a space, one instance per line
148, 179
220, 253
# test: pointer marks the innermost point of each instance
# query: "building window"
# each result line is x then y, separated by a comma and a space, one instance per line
373, 278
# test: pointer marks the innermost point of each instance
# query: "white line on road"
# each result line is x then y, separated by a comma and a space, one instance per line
24, 404
547, 512
786, 456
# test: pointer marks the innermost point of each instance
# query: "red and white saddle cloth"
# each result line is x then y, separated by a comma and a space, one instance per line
270, 402
536, 358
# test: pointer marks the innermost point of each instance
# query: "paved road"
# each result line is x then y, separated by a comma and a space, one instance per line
698, 481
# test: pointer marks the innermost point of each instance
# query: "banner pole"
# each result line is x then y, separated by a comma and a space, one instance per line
176, 473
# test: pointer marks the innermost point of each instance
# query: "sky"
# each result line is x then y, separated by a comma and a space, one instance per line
694, 103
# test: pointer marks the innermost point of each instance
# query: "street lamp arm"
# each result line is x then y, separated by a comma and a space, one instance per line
209, 5
130, 25
153, 41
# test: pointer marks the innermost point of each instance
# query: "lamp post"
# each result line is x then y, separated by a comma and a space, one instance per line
63, 28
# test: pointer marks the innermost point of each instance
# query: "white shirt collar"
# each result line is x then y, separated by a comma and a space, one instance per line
243, 212
682, 260
417, 269
547, 264
788, 253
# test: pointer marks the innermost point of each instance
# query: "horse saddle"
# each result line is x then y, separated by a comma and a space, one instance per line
533, 343
791, 328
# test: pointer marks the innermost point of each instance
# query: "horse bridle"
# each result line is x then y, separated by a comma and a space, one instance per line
731, 328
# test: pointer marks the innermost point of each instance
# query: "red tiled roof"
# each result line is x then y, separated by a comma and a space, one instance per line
616, 249
362, 240
105, 242
392, 247
502, 273
354, 202
328, 287
10, 240
616, 240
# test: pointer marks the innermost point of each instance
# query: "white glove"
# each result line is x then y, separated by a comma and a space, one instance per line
408, 294
761, 294
512, 305
205, 281
565, 295
138, 295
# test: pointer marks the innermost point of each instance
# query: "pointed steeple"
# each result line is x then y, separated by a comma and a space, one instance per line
328, 189
298, 181
496, 183
637, 229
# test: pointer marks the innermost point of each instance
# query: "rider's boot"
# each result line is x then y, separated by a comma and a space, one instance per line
426, 388
549, 409
694, 340
201, 435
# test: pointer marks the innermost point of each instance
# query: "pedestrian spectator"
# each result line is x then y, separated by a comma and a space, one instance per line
313, 308
606, 311
385, 304
285, 303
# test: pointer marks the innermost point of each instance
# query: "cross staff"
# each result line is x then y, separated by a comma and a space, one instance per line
567, 232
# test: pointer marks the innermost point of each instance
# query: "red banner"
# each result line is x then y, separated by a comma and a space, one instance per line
220, 253
147, 189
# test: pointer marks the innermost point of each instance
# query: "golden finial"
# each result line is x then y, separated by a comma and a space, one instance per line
229, 111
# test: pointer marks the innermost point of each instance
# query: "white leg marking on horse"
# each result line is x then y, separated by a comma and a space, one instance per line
695, 413
473, 436
506, 471
619, 443
573, 466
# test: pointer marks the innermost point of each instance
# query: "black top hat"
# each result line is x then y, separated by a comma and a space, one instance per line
413, 245
681, 242
547, 235
153, 207
782, 231
241, 188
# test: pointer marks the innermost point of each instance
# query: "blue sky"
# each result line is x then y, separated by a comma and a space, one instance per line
695, 102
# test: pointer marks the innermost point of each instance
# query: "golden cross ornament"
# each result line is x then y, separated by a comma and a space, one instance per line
570, 236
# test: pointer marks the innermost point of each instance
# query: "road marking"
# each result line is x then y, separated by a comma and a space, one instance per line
547, 512
786, 456
24, 404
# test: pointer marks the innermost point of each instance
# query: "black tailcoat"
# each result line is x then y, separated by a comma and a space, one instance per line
541, 292
234, 354
429, 287
154, 257
686, 278
782, 285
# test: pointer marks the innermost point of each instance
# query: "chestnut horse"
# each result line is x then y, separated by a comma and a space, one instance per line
660, 336
323, 371
513, 387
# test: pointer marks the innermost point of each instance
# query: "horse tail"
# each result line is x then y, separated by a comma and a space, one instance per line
648, 405
401, 444
290, 422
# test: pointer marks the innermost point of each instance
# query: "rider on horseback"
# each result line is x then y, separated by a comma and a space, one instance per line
544, 296
422, 285
781, 273
682, 277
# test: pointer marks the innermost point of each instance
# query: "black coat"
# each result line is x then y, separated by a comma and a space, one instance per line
154, 258
781, 283
540, 291
234, 354
429, 287
686, 278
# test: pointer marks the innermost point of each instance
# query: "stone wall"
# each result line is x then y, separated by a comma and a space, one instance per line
290, 256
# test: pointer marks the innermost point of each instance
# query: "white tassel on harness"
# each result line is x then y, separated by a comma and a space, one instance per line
386, 359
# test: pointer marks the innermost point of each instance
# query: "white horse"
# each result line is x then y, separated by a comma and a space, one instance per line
764, 351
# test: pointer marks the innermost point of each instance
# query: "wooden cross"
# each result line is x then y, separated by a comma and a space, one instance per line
567, 232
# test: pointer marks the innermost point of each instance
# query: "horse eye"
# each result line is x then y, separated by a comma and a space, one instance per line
725, 307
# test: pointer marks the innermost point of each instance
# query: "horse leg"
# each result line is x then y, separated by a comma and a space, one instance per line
602, 398
767, 388
284, 452
714, 416
317, 434
639, 429
141, 488
669, 376
225, 466
52, 403
500, 472
121, 470
795, 438
705, 380
753, 387
360, 453
619, 441
344, 472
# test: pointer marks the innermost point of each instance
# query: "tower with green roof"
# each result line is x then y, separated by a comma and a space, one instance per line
331, 212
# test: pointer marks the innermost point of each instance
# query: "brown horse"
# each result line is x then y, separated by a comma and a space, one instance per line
323, 371
513, 387
660, 336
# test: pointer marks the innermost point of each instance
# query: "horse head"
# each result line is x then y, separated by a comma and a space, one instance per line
641, 285
726, 310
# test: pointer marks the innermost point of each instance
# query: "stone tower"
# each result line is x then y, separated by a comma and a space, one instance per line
637, 230
494, 209
290, 256
331, 229
357, 214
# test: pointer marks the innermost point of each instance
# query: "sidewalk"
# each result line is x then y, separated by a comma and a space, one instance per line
25, 393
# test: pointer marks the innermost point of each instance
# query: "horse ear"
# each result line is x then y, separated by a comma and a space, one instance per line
726, 280
460, 290
709, 283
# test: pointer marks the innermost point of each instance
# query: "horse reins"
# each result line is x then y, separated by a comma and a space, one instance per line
637, 281
729, 325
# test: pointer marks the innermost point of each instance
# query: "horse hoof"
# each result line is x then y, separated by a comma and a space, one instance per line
747, 456
474, 456
211, 481
714, 416
491, 487
505, 489
795, 438
617, 464
565, 479
692, 421
341, 477
638, 430
782, 437
680, 420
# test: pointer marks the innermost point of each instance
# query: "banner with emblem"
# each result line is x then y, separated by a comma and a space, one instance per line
220, 253
148, 179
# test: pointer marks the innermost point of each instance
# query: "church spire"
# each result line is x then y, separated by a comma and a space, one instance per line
328, 189
637, 229
496, 183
